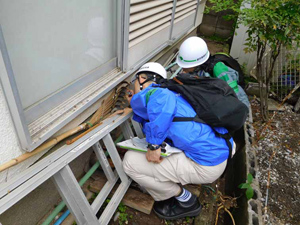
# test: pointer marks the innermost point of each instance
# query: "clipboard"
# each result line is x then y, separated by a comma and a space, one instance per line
140, 145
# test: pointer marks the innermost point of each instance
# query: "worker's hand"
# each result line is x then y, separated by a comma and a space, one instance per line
127, 110
154, 156
129, 95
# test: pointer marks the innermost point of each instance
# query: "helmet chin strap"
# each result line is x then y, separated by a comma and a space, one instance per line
149, 79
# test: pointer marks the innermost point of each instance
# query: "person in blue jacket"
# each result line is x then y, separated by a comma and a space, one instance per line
203, 158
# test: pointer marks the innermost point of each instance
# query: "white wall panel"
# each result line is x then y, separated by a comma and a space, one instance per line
200, 13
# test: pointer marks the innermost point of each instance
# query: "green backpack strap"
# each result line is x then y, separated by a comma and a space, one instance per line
149, 93
221, 71
222, 53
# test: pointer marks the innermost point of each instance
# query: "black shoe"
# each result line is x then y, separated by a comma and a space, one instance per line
171, 209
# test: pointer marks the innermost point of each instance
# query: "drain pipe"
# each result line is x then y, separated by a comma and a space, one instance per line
176, 72
62, 204
81, 182
62, 218
66, 213
171, 65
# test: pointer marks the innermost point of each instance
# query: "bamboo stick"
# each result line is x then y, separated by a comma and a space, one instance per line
125, 112
97, 115
41, 148
101, 113
81, 135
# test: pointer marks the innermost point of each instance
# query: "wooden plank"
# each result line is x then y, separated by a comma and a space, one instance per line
138, 200
133, 198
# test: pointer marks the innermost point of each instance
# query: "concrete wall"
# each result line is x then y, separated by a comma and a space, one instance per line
214, 24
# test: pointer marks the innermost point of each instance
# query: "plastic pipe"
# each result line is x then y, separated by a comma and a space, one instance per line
62, 218
62, 204
119, 139
170, 66
176, 72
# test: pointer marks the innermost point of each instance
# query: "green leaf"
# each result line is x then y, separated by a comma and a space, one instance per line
249, 178
244, 186
287, 31
249, 193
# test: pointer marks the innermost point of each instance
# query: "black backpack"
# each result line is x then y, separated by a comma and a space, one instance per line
214, 101
208, 66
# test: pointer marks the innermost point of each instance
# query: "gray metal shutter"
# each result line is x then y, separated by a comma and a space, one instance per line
149, 28
184, 18
184, 8
148, 18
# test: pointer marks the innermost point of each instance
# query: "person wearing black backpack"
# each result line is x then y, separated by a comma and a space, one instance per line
194, 57
204, 154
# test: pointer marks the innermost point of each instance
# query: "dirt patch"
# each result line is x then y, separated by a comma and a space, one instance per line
282, 140
126, 215
208, 197
215, 46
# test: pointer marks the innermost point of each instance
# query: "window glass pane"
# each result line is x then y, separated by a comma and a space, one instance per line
53, 43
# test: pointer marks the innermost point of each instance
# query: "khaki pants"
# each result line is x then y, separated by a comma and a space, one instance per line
161, 180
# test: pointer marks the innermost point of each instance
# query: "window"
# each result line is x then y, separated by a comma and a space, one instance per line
62, 56
56, 43
55, 49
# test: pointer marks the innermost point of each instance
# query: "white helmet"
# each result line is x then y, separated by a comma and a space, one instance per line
192, 52
153, 67
156, 70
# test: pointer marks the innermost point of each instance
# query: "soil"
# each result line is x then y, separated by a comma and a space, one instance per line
282, 140
134, 217
207, 196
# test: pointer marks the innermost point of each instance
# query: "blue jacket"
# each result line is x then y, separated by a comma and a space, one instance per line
197, 140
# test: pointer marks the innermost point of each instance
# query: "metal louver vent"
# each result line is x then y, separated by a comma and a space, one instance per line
184, 8
148, 18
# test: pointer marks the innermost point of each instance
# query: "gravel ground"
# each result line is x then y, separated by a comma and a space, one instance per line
279, 149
